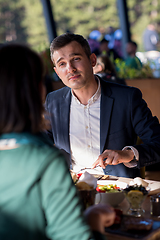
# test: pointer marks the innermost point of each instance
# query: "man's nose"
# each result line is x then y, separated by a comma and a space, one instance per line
71, 68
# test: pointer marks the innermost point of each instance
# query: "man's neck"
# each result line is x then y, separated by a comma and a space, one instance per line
85, 94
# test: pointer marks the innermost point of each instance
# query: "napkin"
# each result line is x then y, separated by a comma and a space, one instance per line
89, 179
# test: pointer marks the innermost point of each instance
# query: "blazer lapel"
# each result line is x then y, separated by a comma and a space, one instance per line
64, 118
105, 115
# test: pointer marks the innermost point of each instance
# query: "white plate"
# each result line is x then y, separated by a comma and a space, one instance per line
106, 182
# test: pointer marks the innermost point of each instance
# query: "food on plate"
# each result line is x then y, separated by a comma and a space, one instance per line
83, 186
137, 223
139, 181
89, 179
74, 176
86, 186
118, 217
84, 181
79, 175
107, 188
111, 192
102, 177
135, 195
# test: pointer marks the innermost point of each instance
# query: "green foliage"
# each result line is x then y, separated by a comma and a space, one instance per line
23, 21
83, 16
126, 72
11, 16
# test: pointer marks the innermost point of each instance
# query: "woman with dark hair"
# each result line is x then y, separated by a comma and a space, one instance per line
38, 199
105, 69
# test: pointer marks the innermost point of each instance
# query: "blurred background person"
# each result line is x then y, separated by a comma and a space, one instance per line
110, 52
93, 40
118, 42
105, 69
38, 197
132, 60
110, 37
150, 38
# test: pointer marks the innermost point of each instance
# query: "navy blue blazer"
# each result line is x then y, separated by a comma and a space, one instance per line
124, 115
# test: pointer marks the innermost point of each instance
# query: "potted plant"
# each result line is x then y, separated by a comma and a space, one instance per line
127, 72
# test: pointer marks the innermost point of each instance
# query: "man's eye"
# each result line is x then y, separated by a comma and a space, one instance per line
77, 58
61, 64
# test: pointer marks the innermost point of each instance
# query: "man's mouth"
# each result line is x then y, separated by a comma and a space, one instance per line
74, 77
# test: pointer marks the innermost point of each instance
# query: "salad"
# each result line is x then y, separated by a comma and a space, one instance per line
107, 188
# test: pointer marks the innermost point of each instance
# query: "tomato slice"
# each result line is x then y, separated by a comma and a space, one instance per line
79, 174
100, 190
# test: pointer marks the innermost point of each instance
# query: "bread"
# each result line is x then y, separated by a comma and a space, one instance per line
83, 186
101, 177
74, 176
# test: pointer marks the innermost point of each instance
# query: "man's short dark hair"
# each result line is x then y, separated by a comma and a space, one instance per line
65, 39
104, 41
133, 43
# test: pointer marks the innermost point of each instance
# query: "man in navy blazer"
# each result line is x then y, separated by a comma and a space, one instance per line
123, 114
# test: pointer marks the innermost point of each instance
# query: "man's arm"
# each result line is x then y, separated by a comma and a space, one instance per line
146, 127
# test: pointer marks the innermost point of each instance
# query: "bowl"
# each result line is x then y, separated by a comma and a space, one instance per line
111, 198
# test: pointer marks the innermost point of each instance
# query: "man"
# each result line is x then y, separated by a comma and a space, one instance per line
132, 60
98, 122
150, 38
105, 50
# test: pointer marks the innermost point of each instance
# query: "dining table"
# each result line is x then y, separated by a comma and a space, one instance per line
117, 233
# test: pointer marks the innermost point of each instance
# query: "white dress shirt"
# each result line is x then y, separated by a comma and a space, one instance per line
85, 133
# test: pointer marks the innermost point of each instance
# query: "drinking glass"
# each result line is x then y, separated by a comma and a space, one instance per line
135, 199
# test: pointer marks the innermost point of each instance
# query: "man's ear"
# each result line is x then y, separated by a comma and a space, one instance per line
93, 59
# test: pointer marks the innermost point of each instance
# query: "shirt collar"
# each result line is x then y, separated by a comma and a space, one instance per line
94, 97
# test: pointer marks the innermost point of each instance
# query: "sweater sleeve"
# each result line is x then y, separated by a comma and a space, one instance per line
60, 202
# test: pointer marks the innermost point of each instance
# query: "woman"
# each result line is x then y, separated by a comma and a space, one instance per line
37, 197
105, 69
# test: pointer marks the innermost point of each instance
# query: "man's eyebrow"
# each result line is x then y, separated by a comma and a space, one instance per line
59, 60
75, 54
71, 55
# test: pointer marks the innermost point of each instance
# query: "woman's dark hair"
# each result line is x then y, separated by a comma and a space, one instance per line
107, 65
65, 39
21, 75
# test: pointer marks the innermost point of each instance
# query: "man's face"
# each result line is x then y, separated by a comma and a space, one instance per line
73, 66
130, 48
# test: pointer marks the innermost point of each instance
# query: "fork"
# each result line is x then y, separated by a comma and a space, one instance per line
93, 168
86, 168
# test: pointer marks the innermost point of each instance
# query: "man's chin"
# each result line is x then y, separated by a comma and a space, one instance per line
75, 85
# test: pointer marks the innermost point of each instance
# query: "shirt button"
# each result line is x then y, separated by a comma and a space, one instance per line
88, 146
86, 127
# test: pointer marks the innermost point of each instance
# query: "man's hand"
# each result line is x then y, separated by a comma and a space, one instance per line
113, 157
100, 216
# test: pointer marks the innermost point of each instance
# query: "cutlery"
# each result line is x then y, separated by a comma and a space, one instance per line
93, 168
